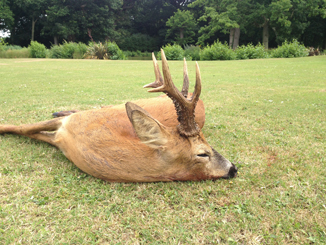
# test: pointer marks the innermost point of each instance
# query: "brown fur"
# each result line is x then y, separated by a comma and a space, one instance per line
136, 142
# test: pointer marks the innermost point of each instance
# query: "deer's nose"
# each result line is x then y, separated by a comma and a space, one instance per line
233, 171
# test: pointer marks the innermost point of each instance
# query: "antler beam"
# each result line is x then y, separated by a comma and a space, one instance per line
185, 107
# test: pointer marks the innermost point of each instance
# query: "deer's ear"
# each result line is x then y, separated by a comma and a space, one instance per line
149, 130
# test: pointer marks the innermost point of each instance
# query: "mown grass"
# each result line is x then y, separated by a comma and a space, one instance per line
267, 116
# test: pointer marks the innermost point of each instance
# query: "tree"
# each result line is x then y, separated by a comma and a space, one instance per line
224, 16
82, 20
6, 16
34, 10
182, 26
287, 18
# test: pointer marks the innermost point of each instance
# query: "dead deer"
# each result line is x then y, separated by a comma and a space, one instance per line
120, 144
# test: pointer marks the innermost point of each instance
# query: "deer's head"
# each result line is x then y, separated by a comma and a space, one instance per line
183, 152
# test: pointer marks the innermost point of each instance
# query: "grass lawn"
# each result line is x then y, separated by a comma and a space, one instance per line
266, 116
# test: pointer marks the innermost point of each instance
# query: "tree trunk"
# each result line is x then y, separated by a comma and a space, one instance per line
236, 38
33, 28
55, 40
265, 35
181, 33
231, 39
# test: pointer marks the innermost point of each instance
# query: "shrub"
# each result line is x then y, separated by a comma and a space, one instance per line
3, 44
192, 52
55, 52
15, 53
108, 50
97, 50
12, 47
114, 52
217, 51
172, 52
37, 50
80, 51
251, 52
290, 50
68, 50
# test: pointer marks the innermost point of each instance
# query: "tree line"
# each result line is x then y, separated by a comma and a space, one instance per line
147, 25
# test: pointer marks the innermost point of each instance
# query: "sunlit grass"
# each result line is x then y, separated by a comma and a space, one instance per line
267, 116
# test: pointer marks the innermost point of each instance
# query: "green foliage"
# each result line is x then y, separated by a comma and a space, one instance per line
97, 50
108, 50
136, 53
37, 50
15, 53
80, 51
114, 52
140, 42
192, 52
182, 26
7, 16
3, 44
217, 51
55, 52
172, 52
68, 50
12, 47
251, 52
290, 50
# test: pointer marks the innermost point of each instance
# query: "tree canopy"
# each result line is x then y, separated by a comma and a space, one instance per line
146, 25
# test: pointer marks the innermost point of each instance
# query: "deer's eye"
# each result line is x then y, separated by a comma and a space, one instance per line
203, 155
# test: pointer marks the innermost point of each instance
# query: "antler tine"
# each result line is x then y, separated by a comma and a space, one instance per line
196, 94
158, 77
185, 86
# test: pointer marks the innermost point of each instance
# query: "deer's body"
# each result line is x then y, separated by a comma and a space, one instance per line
113, 145
136, 142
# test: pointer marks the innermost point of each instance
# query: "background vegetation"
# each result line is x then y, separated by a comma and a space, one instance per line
147, 25
110, 50
267, 116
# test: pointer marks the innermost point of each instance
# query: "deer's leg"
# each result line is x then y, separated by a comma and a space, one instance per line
63, 113
41, 131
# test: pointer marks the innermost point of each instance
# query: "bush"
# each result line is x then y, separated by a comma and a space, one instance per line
15, 53
217, 51
68, 50
251, 52
172, 52
12, 47
37, 50
97, 50
55, 52
108, 50
114, 52
80, 51
3, 44
192, 52
290, 50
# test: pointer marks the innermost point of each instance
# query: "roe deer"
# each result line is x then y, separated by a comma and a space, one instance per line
129, 145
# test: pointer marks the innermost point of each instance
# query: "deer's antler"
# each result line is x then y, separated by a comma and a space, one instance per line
185, 107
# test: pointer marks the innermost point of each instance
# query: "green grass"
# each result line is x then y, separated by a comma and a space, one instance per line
267, 116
